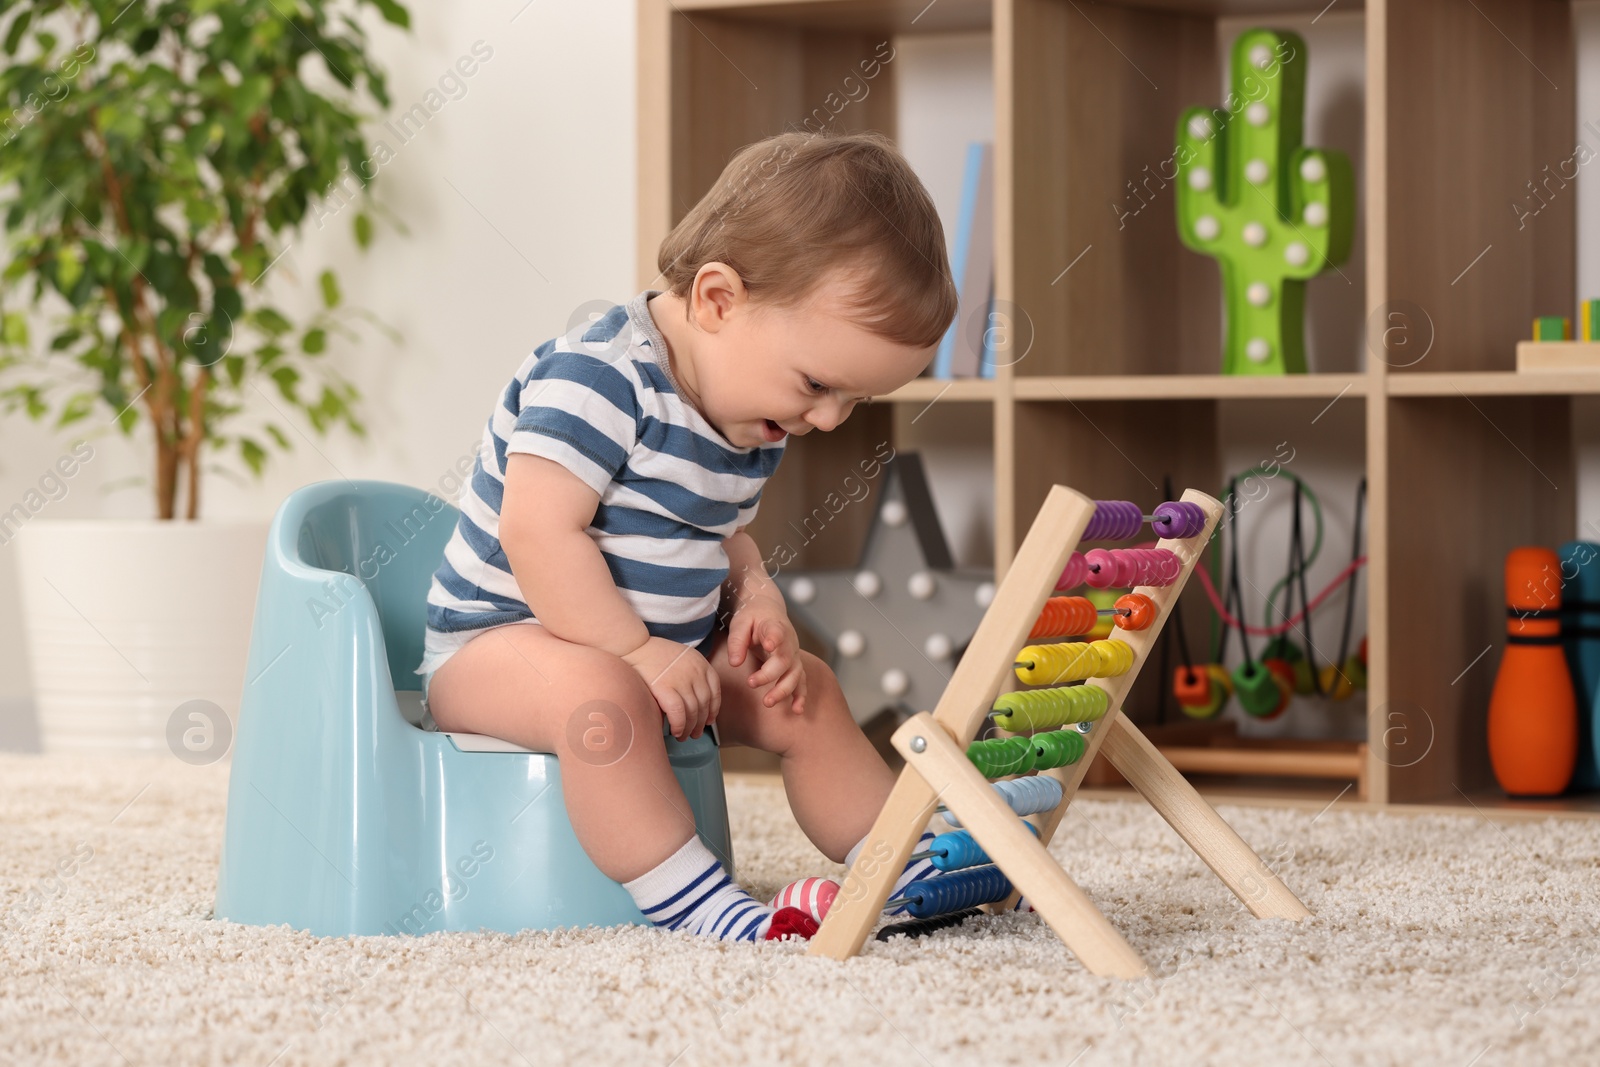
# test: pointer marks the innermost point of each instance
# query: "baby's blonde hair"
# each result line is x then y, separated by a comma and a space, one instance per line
790, 209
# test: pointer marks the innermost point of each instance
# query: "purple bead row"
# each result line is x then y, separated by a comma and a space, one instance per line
1178, 519
1114, 520
1118, 520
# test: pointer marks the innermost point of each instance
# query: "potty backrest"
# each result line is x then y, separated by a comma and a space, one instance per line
389, 539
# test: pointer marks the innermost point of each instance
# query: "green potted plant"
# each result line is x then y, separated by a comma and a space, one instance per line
157, 160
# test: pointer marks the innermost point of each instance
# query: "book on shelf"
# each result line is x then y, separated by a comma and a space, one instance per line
966, 350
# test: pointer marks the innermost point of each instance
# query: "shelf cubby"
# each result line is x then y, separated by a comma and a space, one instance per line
1513, 484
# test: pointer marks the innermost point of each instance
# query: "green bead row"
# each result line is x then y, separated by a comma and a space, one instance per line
1045, 709
997, 757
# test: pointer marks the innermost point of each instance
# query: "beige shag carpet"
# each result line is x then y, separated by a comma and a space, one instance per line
1436, 939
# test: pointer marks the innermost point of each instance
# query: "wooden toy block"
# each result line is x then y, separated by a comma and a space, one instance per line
1552, 328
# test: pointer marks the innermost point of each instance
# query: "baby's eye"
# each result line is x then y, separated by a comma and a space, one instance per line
815, 386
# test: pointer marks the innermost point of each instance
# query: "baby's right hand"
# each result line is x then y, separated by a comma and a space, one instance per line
682, 682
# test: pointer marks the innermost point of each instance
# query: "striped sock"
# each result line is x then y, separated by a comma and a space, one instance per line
690, 890
914, 869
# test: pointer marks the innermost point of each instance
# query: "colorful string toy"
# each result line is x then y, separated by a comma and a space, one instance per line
1285, 667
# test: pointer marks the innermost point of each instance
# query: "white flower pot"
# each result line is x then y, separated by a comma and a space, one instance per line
126, 620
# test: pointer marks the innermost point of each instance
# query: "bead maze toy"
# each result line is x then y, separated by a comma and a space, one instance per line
1271, 212
1264, 686
1053, 733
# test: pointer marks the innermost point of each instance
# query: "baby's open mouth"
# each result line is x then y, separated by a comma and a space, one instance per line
774, 432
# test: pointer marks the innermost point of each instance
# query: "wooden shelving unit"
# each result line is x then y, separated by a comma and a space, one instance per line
1463, 105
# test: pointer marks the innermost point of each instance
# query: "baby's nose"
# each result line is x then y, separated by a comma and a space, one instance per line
828, 415
824, 419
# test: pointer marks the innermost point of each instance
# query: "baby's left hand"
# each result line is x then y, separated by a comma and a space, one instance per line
763, 624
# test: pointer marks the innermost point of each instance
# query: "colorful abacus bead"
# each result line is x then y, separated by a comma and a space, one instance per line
1024, 796
1107, 568
1178, 519
1067, 661
1072, 661
1064, 615
1103, 600
1140, 612
944, 893
957, 850
1044, 709
1057, 748
1116, 657
1073, 574
1161, 566
996, 757
1114, 520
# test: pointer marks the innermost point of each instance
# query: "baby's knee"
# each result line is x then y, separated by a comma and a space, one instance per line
824, 697
614, 703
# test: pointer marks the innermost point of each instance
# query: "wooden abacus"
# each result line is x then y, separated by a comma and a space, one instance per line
937, 769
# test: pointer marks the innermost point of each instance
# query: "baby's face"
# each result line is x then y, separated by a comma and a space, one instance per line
770, 371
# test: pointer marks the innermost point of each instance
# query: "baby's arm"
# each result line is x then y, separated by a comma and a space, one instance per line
544, 516
747, 575
760, 620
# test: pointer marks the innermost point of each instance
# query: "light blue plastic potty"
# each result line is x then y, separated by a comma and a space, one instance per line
344, 817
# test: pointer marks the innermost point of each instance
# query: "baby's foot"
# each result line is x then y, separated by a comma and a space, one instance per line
790, 922
690, 890
813, 896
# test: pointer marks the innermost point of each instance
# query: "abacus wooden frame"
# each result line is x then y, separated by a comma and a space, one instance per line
937, 769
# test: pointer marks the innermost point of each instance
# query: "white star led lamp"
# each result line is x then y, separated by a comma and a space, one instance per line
897, 622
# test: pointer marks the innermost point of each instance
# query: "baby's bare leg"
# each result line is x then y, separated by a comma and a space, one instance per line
594, 711
836, 781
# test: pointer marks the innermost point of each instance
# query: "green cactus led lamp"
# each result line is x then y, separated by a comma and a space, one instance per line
1269, 210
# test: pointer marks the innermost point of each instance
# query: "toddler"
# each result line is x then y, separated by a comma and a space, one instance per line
603, 527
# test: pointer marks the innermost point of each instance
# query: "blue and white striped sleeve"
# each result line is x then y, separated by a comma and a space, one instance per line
581, 412
748, 508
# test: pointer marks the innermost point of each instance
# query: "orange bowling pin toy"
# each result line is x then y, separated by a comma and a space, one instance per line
1533, 712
